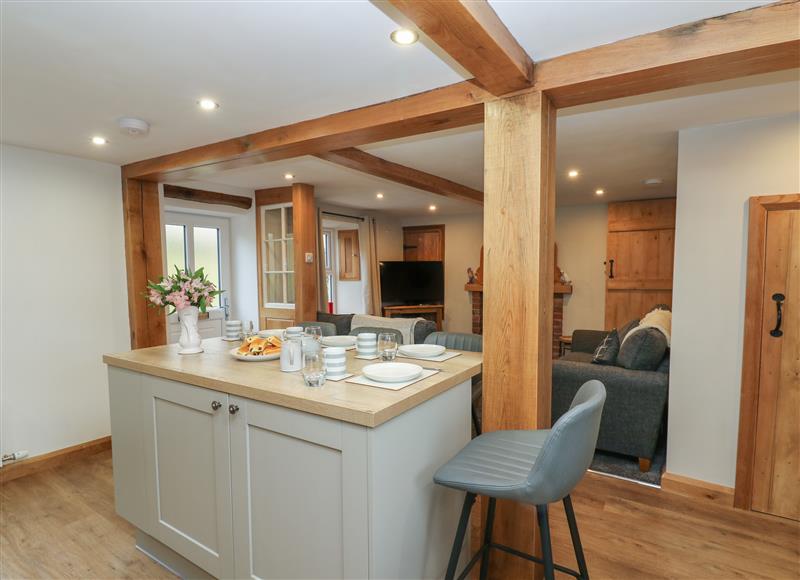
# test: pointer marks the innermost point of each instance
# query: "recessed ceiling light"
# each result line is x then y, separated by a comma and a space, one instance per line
573, 173
379, 195
599, 191
97, 140
432, 207
404, 36
288, 175
208, 104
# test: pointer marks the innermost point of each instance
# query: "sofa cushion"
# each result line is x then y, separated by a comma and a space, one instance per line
642, 350
606, 352
587, 340
342, 321
577, 356
624, 330
422, 329
663, 366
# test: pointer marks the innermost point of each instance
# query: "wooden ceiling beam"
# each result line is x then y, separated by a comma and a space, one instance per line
474, 36
755, 41
448, 107
759, 40
366, 163
202, 196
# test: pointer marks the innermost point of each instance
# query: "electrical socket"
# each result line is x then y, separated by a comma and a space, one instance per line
309, 258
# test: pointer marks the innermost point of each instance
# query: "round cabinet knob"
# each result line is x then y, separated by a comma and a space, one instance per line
233, 409
215, 405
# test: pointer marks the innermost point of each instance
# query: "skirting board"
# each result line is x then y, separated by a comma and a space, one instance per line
17, 469
696, 488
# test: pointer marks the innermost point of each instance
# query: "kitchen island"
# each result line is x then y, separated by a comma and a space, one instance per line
235, 469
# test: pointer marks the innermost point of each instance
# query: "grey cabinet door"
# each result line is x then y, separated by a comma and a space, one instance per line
187, 469
300, 494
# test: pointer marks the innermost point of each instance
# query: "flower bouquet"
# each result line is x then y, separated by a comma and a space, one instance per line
187, 293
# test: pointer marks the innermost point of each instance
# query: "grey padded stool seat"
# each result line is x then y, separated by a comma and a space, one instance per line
377, 330
472, 343
534, 467
328, 328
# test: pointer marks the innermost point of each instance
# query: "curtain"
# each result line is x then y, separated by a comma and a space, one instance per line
322, 292
372, 279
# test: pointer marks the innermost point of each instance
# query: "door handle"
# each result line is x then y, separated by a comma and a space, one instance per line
215, 405
233, 409
777, 332
611, 267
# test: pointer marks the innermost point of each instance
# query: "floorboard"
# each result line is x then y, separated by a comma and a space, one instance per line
60, 523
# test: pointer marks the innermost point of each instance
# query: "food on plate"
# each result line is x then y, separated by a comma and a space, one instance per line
258, 346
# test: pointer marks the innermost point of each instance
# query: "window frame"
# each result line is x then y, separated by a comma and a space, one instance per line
288, 261
330, 250
189, 221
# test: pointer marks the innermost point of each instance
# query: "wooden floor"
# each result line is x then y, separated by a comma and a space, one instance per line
61, 524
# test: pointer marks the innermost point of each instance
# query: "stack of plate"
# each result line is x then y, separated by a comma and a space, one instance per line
346, 342
421, 350
392, 372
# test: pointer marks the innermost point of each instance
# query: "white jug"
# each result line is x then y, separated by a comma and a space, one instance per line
292, 353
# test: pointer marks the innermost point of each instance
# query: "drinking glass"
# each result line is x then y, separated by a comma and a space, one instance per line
387, 346
313, 369
314, 332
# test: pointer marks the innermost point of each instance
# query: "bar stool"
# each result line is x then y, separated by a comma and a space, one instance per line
534, 467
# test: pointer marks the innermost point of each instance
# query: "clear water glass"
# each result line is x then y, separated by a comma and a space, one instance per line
387, 346
314, 332
313, 369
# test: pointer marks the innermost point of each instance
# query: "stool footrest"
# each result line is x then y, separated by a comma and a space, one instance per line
525, 556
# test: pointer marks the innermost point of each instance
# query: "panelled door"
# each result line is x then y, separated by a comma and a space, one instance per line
423, 243
639, 258
300, 494
776, 467
187, 464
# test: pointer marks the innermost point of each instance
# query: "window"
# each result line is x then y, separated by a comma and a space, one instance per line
195, 241
277, 256
328, 251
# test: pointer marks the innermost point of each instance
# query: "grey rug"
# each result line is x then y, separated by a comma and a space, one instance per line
628, 467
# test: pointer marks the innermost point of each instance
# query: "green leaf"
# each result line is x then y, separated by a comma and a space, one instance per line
202, 304
198, 274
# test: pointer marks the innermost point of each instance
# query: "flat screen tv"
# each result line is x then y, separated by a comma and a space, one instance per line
405, 283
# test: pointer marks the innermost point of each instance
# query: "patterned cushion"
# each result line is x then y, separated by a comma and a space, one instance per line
606, 352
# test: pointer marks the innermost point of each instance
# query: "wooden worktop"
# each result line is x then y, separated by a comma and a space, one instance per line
263, 381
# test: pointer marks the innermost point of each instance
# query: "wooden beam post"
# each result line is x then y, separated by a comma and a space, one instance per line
144, 260
518, 239
210, 197
304, 216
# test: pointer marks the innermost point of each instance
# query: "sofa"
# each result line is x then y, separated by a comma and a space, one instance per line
636, 400
342, 322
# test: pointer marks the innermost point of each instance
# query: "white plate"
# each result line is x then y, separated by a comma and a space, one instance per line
392, 372
252, 358
343, 341
268, 333
422, 350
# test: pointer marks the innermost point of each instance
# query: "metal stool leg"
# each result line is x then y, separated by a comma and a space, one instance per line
475, 423
547, 550
460, 533
576, 539
487, 539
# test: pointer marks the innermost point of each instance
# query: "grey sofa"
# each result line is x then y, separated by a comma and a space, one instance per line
343, 325
636, 401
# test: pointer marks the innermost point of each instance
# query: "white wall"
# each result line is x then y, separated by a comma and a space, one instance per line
463, 238
64, 297
719, 168
389, 239
581, 232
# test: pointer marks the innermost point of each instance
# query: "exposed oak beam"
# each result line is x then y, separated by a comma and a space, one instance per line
445, 108
759, 40
755, 41
362, 161
212, 197
274, 195
304, 219
474, 36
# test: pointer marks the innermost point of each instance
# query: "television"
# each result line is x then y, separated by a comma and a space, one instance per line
411, 283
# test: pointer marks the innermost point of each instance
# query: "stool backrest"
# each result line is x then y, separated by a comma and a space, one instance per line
378, 330
328, 328
456, 340
568, 450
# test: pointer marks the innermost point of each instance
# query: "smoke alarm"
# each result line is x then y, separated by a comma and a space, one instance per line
133, 127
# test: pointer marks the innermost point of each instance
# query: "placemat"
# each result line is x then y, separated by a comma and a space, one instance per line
337, 379
362, 380
441, 358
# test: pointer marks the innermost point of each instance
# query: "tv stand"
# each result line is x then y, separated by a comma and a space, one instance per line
434, 310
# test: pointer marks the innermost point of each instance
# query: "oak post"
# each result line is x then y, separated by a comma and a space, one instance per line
519, 215
144, 260
305, 241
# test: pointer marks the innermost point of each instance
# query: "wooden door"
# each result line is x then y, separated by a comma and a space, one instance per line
187, 472
423, 243
776, 466
299, 494
349, 256
639, 258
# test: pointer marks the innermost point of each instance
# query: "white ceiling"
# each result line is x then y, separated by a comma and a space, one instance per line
71, 69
